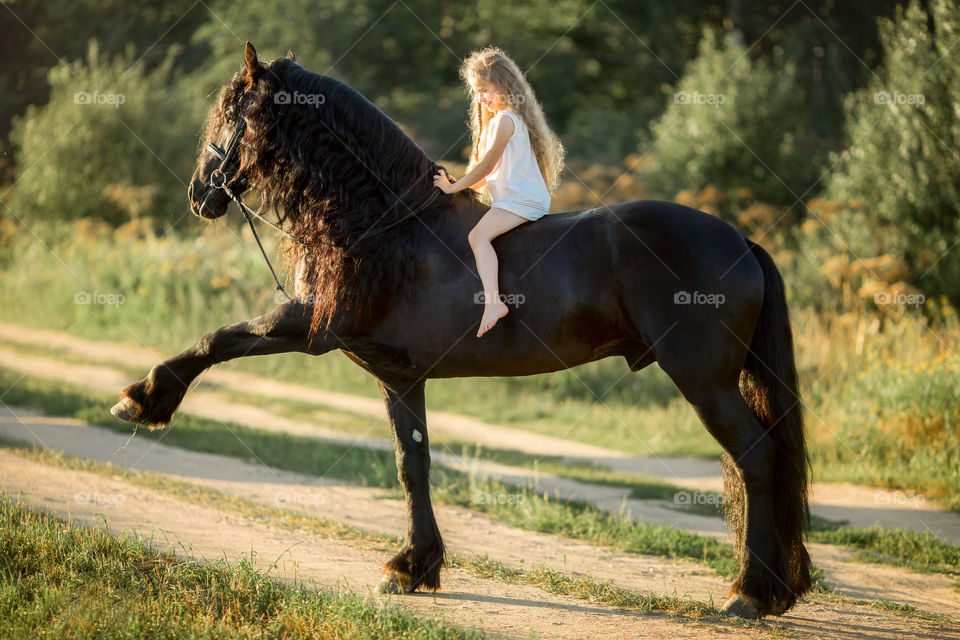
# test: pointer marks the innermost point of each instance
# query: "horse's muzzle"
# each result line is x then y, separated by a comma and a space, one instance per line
213, 205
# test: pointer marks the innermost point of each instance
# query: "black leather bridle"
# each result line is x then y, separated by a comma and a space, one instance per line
220, 178
223, 175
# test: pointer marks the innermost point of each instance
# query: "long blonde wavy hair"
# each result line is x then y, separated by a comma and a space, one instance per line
491, 66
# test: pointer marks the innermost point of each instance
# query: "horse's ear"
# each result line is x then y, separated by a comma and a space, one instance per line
291, 55
250, 60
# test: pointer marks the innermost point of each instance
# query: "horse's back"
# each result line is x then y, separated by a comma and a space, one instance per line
663, 239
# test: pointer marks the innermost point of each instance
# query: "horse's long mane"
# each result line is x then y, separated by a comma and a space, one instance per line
336, 169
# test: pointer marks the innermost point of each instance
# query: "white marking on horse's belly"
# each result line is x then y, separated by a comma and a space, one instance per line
417, 436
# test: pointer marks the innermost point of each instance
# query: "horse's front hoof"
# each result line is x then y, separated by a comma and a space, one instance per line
740, 606
395, 582
127, 409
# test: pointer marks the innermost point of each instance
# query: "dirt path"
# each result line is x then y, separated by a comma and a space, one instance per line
465, 532
861, 506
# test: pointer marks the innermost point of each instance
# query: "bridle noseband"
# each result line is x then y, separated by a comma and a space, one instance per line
219, 178
222, 176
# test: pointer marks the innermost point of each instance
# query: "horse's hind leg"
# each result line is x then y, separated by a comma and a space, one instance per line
153, 400
763, 585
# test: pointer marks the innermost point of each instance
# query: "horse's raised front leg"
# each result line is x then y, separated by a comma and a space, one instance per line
418, 564
153, 400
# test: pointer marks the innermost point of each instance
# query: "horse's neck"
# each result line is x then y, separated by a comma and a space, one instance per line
459, 219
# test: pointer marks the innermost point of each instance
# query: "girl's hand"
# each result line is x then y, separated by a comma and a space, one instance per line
443, 181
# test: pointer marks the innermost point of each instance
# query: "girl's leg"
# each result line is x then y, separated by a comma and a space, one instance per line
493, 223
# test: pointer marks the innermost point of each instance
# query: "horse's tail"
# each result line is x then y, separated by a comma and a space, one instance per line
769, 385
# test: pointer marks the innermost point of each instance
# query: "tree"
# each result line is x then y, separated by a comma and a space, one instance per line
113, 140
903, 132
734, 123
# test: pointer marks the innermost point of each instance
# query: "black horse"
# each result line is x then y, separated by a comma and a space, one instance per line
384, 273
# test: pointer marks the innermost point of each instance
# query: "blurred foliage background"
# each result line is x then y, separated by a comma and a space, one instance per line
826, 131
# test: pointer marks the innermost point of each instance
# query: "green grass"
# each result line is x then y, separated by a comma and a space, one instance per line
888, 606
587, 588
895, 422
59, 580
641, 488
911, 549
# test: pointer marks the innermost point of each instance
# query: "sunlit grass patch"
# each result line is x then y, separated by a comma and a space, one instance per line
61, 580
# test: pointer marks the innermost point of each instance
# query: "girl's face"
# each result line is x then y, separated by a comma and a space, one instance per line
487, 94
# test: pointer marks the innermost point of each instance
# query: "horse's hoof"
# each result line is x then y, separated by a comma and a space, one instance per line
395, 582
740, 606
126, 409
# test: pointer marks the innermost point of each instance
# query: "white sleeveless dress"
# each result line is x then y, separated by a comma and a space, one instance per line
516, 183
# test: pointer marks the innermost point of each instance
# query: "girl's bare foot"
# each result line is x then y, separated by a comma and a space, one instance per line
491, 313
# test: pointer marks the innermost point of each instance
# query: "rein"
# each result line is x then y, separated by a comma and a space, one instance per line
219, 179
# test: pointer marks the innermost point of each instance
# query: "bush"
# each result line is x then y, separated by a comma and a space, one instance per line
846, 262
904, 129
733, 123
115, 142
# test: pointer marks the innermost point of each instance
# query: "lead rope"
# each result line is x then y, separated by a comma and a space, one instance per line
249, 213
264, 254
